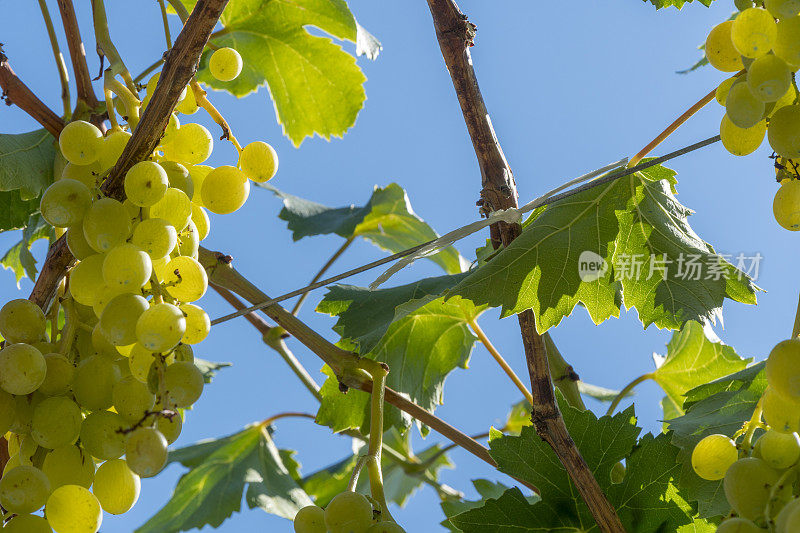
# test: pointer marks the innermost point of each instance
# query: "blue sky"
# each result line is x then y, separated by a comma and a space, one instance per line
570, 86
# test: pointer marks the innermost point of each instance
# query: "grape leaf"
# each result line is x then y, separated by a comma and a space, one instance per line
660, 4
19, 258
487, 489
209, 368
26, 165
632, 240
219, 472
387, 220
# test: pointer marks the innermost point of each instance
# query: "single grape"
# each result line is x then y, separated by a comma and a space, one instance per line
348, 512
741, 141
73, 509
101, 434
178, 176
27, 523
7, 411
786, 100
170, 427
106, 294
140, 361
198, 174
175, 207
259, 161
58, 375
310, 519
225, 190
65, 203
132, 399
101, 345
161, 327
93, 382
225, 64
742, 108
713, 455
780, 450
77, 244
184, 383
155, 236
83, 279
721, 94
22, 321
69, 465
24, 489
86, 174
788, 517
106, 224
22, 368
720, 51
784, 131
151, 87
738, 525
56, 422
198, 324
769, 78
13, 462
23, 412
782, 9
183, 352
146, 451
187, 106
783, 363
754, 32
786, 207
145, 183
741, 5
787, 42
80, 142
127, 268
189, 241
780, 413
116, 487
190, 145
201, 221
118, 321
385, 527
111, 148
747, 486
186, 279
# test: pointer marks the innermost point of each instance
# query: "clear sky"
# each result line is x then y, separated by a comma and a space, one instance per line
570, 86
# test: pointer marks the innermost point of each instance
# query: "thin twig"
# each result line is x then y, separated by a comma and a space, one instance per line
165, 20
279, 416
473, 324
58, 57
17, 93
325, 267
626, 391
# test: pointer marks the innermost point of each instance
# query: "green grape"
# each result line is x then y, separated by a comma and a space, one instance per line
754, 32
186, 279
259, 161
201, 221
65, 203
385, 527
225, 190
172, 126
27, 448
225, 64
741, 5
348, 512
146, 451
106, 295
184, 383
76, 242
720, 50
101, 345
93, 382
784, 132
175, 207
721, 94
769, 78
7, 412
713, 455
22, 321
782, 9
24, 489
116, 487
738, 525
22, 368
27, 523
198, 174
58, 376
786, 207
56, 422
111, 148
133, 210
783, 363
170, 427
786, 100
80, 142
86, 174
101, 435
127, 268
23, 412
189, 241
83, 279
155, 236
747, 486
741, 141
183, 352
132, 399
106, 224
190, 145
139, 362
69, 465
118, 321
198, 325
73, 509
780, 413
161, 327
744, 109
310, 519
145, 183
187, 106
788, 517
780, 450
151, 87
13, 462
787, 43
178, 176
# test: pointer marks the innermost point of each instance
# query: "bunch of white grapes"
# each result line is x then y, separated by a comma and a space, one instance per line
91, 397
759, 481
347, 512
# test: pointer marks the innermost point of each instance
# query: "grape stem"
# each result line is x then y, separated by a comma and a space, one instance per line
129, 99
325, 267
773, 495
290, 414
473, 324
61, 65
750, 427
626, 391
165, 20
143, 74
71, 323
351, 485
378, 373
105, 47
202, 101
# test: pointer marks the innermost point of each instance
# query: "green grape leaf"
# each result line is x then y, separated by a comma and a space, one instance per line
721, 406
625, 243
601, 394
220, 472
19, 258
26, 165
387, 221
209, 368
660, 4
487, 489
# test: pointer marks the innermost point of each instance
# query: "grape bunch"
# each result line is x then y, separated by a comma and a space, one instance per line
347, 512
759, 479
92, 393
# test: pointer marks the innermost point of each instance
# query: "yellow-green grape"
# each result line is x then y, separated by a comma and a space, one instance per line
781, 9
201, 221
145, 183
783, 362
310, 519
93, 382
69, 465
744, 109
101, 344
127, 268
189, 241
84, 279
170, 427
65, 203
785, 100
198, 174
155, 236
118, 321
198, 324
175, 207
183, 352
769, 78
56, 422
133, 210
385, 527
106, 224
225, 64
80, 142
172, 126
191, 145
22, 368
146, 451
788, 516
184, 383
139, 362
22, 321
132, 399
27, 523
259, 161
24, 489
73, 509
348, 512
86, 174
787, 43
161, 327
780, 413
754, 32
738, 525
741, 141
721, 94
713, 455
186, 279
178, 176
76, 242
780, 450
784, 131
101, 434
720, 50
58, 375
106, 295
13, 462
116, 487
151, 87
7, 412
23, 412
111, 148
747, 487
225, 190
187, 106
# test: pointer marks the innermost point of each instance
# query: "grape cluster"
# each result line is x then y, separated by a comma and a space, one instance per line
111, 376
347, 512
759, 480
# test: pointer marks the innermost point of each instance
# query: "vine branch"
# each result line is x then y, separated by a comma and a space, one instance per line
77, 54
17, 93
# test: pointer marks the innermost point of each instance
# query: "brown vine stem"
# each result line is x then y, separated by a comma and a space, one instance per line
455, 35
17, 93
58, 57
473, 324
77, 54
338, 253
